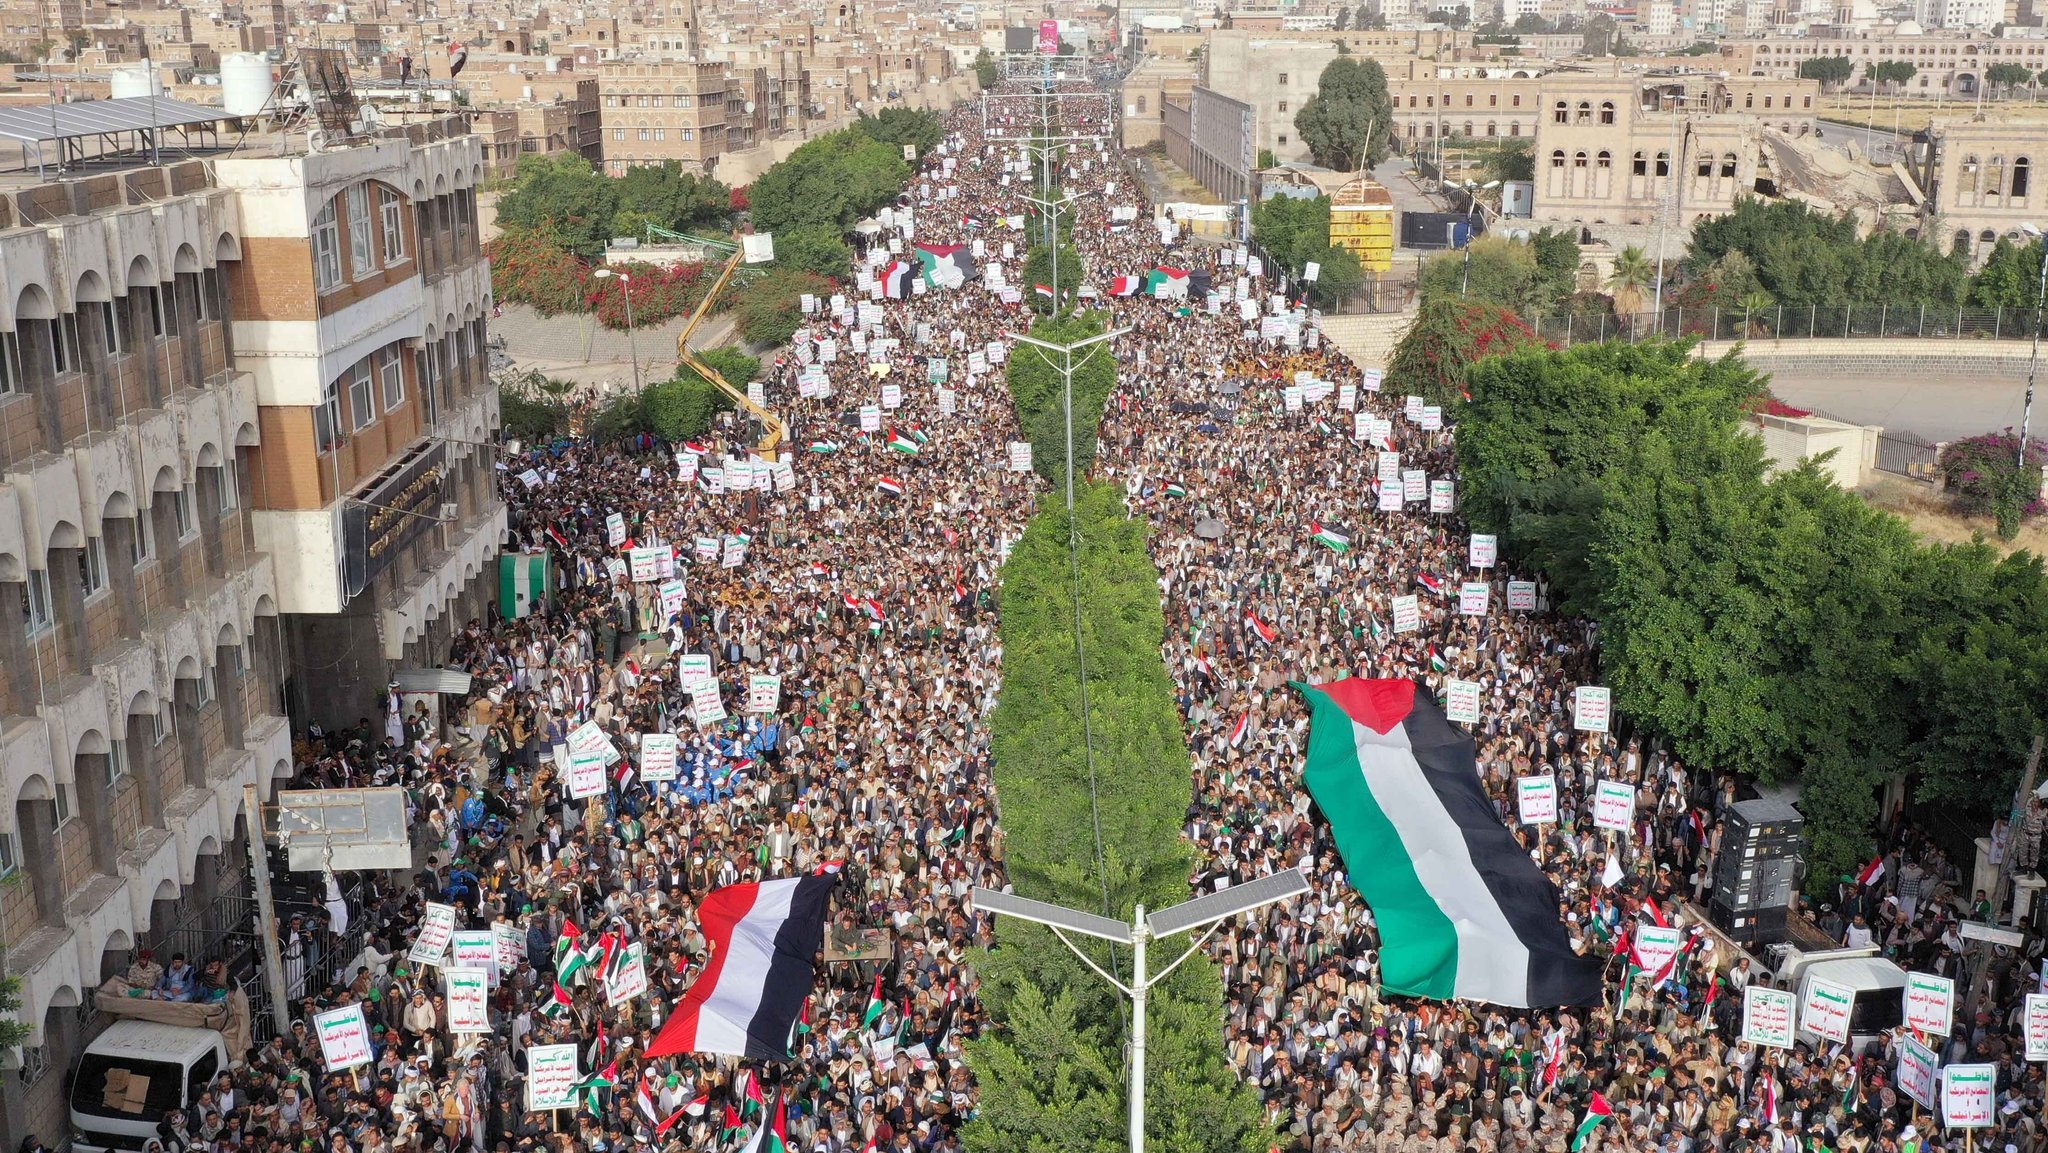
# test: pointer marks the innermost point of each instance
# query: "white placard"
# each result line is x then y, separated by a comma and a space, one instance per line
892, 397
589, 738
631, 980
511, 941
707, 708
1387, 468
1020, 456
551, 1077
1917, 1071
468, 1000
1656, 945
1461, 701
657, 756
1484, 550
344, 1037
672, 594
1536, 799
1411, 407
475, 949
1824, 1009
1374, 377
1767, 1016
706, 549
1407, 613
734, 554
1522, 596
693, 672
645, 562
1930, 1003
1969, 1096
437, 928
1347, 397
615, 529
1442, 495
1432, 418
1473, 597
1590, 709
764, 693
586, 776
2037, 1027
1614, 806
1414, 484
871, 418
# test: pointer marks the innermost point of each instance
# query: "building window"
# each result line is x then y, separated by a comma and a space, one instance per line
359, 231
644, 134
2022, 177
1562, 114
1663, 163
391, 212
65, 810
362, 407
618, 134
142, 541
1283, 79
1640, 165
326, 250
117, 762
1283, 141
1283, 106
327, 418
1578, 160
1607, 112
92, 566
1557, 159
10, 855
229, 498
1515, 101
207, 690
1604, 160
64, 344
160, 728
392, 370
689, 134
1728, 165
10, 363
188, 518
35, 602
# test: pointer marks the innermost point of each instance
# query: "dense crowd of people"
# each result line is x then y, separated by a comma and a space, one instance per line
863, 576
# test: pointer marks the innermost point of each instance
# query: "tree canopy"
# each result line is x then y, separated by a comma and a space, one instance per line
560, 199
832, 181
1296, 232
1348, 123
1801, 256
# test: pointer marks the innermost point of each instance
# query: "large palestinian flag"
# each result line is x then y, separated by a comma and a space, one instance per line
745, 1003
946, 265
1167, 283
1462, 910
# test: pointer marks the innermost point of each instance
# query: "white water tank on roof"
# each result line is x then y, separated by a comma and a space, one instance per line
138, 80
245, 83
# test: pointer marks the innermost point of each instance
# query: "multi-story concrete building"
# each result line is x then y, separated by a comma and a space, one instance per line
1983, 181
652, 112
1945, 61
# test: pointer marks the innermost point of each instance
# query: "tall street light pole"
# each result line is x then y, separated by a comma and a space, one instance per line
2034, 359
1065, 366
1204, 913
1051, 210
632, 342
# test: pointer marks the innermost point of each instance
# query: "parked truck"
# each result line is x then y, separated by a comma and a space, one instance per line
1876, 985
156, 1057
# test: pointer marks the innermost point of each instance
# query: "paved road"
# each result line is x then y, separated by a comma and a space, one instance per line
1937, 409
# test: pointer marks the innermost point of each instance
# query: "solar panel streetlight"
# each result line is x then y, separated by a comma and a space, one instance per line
1065, 366
1203, 913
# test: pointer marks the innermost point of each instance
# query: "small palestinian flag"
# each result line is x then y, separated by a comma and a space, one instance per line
732, 1124
918, 434
824, 446
1436, 660
1175, 489
890, 486
557, 1004
901, 443
876, 1006
1324, 428
751, 1097
774, 1136
1125, 286
1044, 290
1330, 537
1434, 584
1596, 1112
1238, 731
1261, 629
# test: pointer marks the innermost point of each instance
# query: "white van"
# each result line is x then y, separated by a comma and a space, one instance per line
1878, 1003
133, 1075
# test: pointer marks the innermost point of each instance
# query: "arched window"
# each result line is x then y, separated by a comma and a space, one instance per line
1585, 112
1557, 159
1988, 236
1994, 175
1640, 164
1663, 162
1578, 160
1492, 128
1515, 128
1962, 245
1728, 165
1607, 112
1468, 128
1605, 159
1562, 113
2022, 174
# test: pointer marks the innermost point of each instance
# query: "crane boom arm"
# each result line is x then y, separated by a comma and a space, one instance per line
778, 431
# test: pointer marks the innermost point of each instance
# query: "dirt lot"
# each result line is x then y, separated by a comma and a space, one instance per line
1927, 511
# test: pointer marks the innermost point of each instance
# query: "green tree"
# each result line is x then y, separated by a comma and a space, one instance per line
2010, 277
14, 1033
1493, 269
1038, 270
1599, 36
1557, 267
1267, 159
2008, 76
665, 195
1339, 276
1893, 72
1343, 20
1510, 158
832, 181
1831, 71
559, 199
987, 73
813, 248
1348, 123
1039, 394
1289, 228
1448, 335
768, 309
900, 126
1633, 276
685, 407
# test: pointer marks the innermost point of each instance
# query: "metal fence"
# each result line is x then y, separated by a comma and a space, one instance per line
1907, 455
1795, 322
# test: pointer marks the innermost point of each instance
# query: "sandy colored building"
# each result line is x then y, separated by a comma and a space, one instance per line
1983, 182
653, 112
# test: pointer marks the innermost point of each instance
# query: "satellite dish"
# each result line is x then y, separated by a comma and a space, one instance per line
750, 108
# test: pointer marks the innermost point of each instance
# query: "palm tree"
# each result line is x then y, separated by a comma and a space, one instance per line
1753, 302
1633, 273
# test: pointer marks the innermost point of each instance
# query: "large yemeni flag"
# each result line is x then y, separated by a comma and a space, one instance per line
1463, 912
1125, 286
763, 937
1168, 283
896, 279
946, 265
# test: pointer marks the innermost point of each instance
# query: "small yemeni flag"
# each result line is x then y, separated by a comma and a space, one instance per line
1125, 286
1596, 1112
1436, 660
1261, 629
901, 443
774, 1136
825, 446
1872, 872
1330, 536
896, 279
695, 449
831, 866
1044, 290
1237, 731
1656, 914
561, 541
1767, 1099
890, 485
1713, 992
558, 1003
763, 936
622, 776
1553, 1056
1175, 489
644, 1099
876, 1006
1446, 880
1434, 584
696, 1108
670, 1123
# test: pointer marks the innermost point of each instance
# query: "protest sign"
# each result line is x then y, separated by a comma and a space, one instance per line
1969, 1096
1824, 1011
1407, 613
1614, 805
657, 757
1930, 1003
1589, 708
1767, 1016
437, 928
1917, 1072
551, 1077
1472, 598
1536, 798
764, 694
344, 1037
1461, 701
468, 992
1522, 596
1484, 551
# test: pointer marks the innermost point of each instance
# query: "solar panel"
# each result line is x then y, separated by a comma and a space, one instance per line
92, 117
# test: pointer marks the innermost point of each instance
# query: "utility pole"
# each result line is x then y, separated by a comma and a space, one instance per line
1980, 968
266, 910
